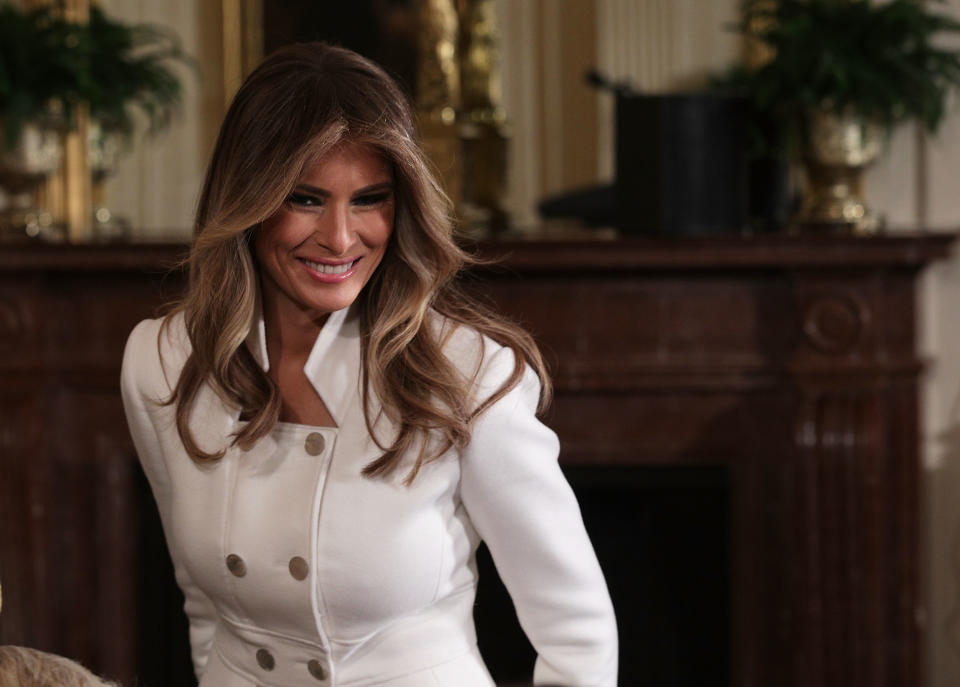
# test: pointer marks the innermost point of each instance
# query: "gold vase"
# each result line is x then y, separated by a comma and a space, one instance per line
837, 149
23, 168
104, 148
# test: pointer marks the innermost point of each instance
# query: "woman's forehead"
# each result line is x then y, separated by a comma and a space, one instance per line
350, 163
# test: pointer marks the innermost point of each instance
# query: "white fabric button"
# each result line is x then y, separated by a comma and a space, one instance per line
314, 444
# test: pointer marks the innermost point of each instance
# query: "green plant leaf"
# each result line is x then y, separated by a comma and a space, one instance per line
883, 60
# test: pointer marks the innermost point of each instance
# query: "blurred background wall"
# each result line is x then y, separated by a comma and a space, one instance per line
562, 138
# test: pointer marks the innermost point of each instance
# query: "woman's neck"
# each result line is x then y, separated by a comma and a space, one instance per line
290, 332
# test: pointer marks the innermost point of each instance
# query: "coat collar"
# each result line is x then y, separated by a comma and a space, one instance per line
333, 366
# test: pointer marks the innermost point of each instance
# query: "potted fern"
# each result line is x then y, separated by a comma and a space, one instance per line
39, 86
126, 69
841, 74
47, 67
39, 69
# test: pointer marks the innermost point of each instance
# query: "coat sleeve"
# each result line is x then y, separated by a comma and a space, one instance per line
524, 509
142, 383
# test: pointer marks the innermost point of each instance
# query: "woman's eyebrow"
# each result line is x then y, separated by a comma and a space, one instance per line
312, 189
373, 188
382, 186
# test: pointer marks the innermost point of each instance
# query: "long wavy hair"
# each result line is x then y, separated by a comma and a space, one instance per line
296, 106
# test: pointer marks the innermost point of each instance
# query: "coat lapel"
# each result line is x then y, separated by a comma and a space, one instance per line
257, 337
333, 366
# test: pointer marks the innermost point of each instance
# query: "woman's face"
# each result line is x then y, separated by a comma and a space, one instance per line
320, 249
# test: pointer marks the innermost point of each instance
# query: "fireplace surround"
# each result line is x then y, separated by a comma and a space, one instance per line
791, 361
787, 363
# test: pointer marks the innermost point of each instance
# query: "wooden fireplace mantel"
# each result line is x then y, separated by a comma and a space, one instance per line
793, 362
789, 360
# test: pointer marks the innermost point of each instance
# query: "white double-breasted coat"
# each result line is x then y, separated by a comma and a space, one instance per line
297, 570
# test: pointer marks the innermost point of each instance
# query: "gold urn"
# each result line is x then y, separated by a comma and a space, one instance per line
837, 149
104, 150
23, 168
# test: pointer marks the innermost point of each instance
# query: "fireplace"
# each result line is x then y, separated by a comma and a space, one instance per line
756, 395
662, 537
789, 362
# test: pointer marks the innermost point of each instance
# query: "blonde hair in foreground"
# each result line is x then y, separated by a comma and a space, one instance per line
297, 105
22, 667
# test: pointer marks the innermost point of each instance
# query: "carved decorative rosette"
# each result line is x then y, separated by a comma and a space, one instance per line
833, 323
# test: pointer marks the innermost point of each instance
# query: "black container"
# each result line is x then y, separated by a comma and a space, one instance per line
681, 165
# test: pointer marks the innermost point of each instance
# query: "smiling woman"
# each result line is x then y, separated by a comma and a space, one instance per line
331, 426
332, 230
315, 255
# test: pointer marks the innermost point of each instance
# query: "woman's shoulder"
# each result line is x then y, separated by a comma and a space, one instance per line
463, 345
478, 357
155, 353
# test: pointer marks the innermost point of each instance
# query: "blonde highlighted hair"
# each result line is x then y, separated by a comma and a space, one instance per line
23, 667
295, 107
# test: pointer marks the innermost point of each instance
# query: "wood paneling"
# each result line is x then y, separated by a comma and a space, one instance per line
70, 494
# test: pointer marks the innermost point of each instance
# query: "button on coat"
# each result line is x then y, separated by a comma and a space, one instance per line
236, 565
314, 444
316, 669
265, 659
298, 568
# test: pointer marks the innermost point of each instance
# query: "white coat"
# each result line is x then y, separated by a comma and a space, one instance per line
297, 570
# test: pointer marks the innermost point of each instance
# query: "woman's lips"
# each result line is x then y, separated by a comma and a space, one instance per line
329, 272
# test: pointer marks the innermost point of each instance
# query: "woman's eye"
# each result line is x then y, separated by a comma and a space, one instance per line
303, 200
372, 199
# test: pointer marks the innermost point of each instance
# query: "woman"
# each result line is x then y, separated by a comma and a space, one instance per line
330, 426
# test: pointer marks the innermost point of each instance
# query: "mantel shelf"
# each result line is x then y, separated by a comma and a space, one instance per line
552, 254
722, 252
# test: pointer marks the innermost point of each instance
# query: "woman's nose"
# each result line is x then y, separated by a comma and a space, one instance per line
334, 231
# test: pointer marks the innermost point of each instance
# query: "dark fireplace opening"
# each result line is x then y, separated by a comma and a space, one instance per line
662, 535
